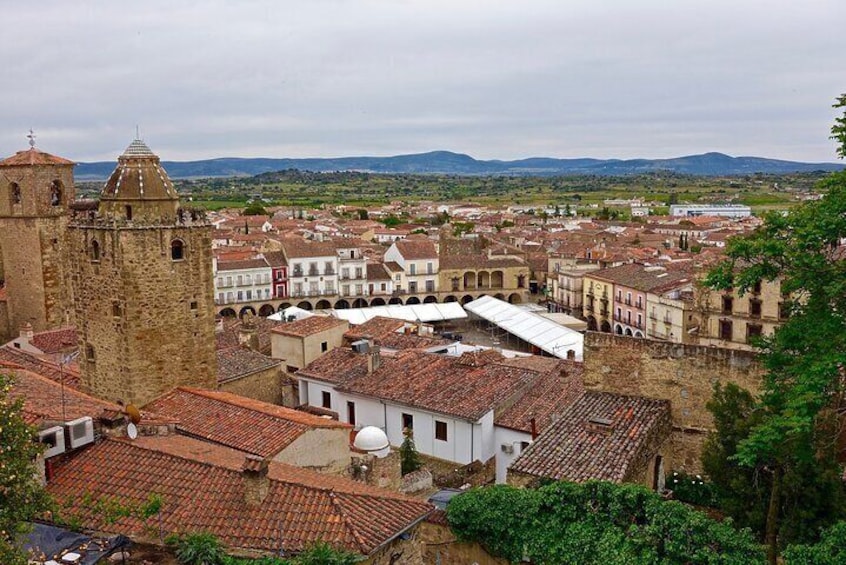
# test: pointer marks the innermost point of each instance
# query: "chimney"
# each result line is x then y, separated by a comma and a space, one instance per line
26, 331
534, 425
256, 483
374, 358
248, 333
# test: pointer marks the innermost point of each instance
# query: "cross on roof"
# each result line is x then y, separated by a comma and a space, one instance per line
31, 138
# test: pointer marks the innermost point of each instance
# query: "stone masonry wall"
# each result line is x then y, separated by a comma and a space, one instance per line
145, 322
263, 385
683, 374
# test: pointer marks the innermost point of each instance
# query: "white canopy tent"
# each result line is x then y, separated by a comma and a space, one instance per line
432, 312
295, 311
545, 334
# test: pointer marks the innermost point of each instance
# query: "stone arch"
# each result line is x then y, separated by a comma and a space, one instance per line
430, 299
395, 300
377, 302
95, 250
228, 313
497, 279
247, 310
605, 327
305, 305
466, 298
322, 305
629, 332
591, 324
483, 279
469, 280
266, 310
618, 329
450, 298
412, 300
342, 304
284, 305
15, 194
359, 303
499, 296
638, 334
177, 250
515, 298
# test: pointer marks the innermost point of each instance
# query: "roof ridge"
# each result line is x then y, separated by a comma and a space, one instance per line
336, 503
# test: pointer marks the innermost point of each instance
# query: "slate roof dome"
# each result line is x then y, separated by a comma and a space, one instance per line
372, 440
139, 187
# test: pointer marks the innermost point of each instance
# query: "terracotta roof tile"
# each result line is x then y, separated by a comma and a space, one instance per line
308, 326
202, 489
377, 272
50, 401
67, 374
576, 449
417, 249
33, 156
295, 248
241, 423
239, 361
244, 264
55, 341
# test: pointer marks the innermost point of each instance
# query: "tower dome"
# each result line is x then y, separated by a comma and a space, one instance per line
139, 188
372, 440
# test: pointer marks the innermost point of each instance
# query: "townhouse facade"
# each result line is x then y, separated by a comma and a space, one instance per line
419, 261
312, 268
736, 321
242, 281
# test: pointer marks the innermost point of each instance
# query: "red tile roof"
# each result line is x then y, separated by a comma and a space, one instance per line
239, 361
55, 341
309, 326
67, 374
202, 489
239, 265
33, 156
297, 248
413, 249
241, 423
579, 447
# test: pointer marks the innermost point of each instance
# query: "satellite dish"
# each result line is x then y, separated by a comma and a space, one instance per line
133, 413
132, 430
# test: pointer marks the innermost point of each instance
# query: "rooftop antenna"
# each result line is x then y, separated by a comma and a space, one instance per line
137, 132
31, 138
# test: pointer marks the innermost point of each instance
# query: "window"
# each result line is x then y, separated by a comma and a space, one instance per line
249, 294
345, 273
753, 331
383, 286
728, 304
412, 269
240, 295
756, 288
359, 289
397, 278
725, 329
783, 310
755, 308
430, 268
56, 193
89, 353
177, 250
407, 421
430, 286
95, 250
194, 305
351, 412
248, 279
116, 309
440, 430
128, 212
359, 273
219, 281
228, 281
345, 289
412, 286
324, 346
239, 280
326, 398
15, 193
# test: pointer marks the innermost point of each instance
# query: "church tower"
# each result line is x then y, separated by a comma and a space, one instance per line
142, 284
35, 189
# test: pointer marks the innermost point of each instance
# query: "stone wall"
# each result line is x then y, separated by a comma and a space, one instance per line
266, 385
442, 548
321, 449
145, 322
683, 374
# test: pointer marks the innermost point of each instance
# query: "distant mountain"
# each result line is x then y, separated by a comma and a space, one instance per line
446, 162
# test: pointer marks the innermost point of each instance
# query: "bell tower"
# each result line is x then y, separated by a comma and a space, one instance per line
143, 287
35, 189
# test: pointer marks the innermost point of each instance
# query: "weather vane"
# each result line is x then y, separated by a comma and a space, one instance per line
31, 138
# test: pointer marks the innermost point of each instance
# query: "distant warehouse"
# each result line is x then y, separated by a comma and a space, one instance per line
726, 210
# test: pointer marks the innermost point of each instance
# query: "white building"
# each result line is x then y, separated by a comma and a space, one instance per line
419, 261
242, 281
312, 268
352, 270
723, 210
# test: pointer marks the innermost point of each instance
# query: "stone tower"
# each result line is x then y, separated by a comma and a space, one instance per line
142, 284
35, 189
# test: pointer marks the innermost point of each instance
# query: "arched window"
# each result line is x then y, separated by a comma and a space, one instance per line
56, 193
15, 193
177, 250
95, 250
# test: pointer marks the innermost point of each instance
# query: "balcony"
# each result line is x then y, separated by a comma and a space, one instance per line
313, 272
297, 273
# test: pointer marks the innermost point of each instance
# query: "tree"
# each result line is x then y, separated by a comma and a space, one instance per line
21, 495
803, 387
363, 214
838, 131
254, 209
409, 458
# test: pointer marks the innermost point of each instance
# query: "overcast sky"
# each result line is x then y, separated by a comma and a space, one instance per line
496, 80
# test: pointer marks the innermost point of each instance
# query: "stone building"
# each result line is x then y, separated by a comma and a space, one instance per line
35, 189
142, 286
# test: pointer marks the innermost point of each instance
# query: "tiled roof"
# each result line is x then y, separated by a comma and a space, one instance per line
229, 337
640, 277
300, 248
68, 374
429, 381
550, 396
275, 258
377, 326
241, 423
33, 156
308, 326
45, 399
393, 267
245, 264
240, 361
401, 341
55, 341
576, 449
377, 272
412, 249
202, 489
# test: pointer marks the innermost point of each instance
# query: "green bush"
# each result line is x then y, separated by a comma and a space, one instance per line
830, 550
692, 489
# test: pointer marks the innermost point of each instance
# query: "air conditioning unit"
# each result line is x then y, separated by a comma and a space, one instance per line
508, 448
54, 441
361, 346
80, 432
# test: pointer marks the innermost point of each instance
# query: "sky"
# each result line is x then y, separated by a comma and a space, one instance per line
492, 79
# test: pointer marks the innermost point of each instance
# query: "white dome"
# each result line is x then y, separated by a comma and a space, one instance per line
370, 439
